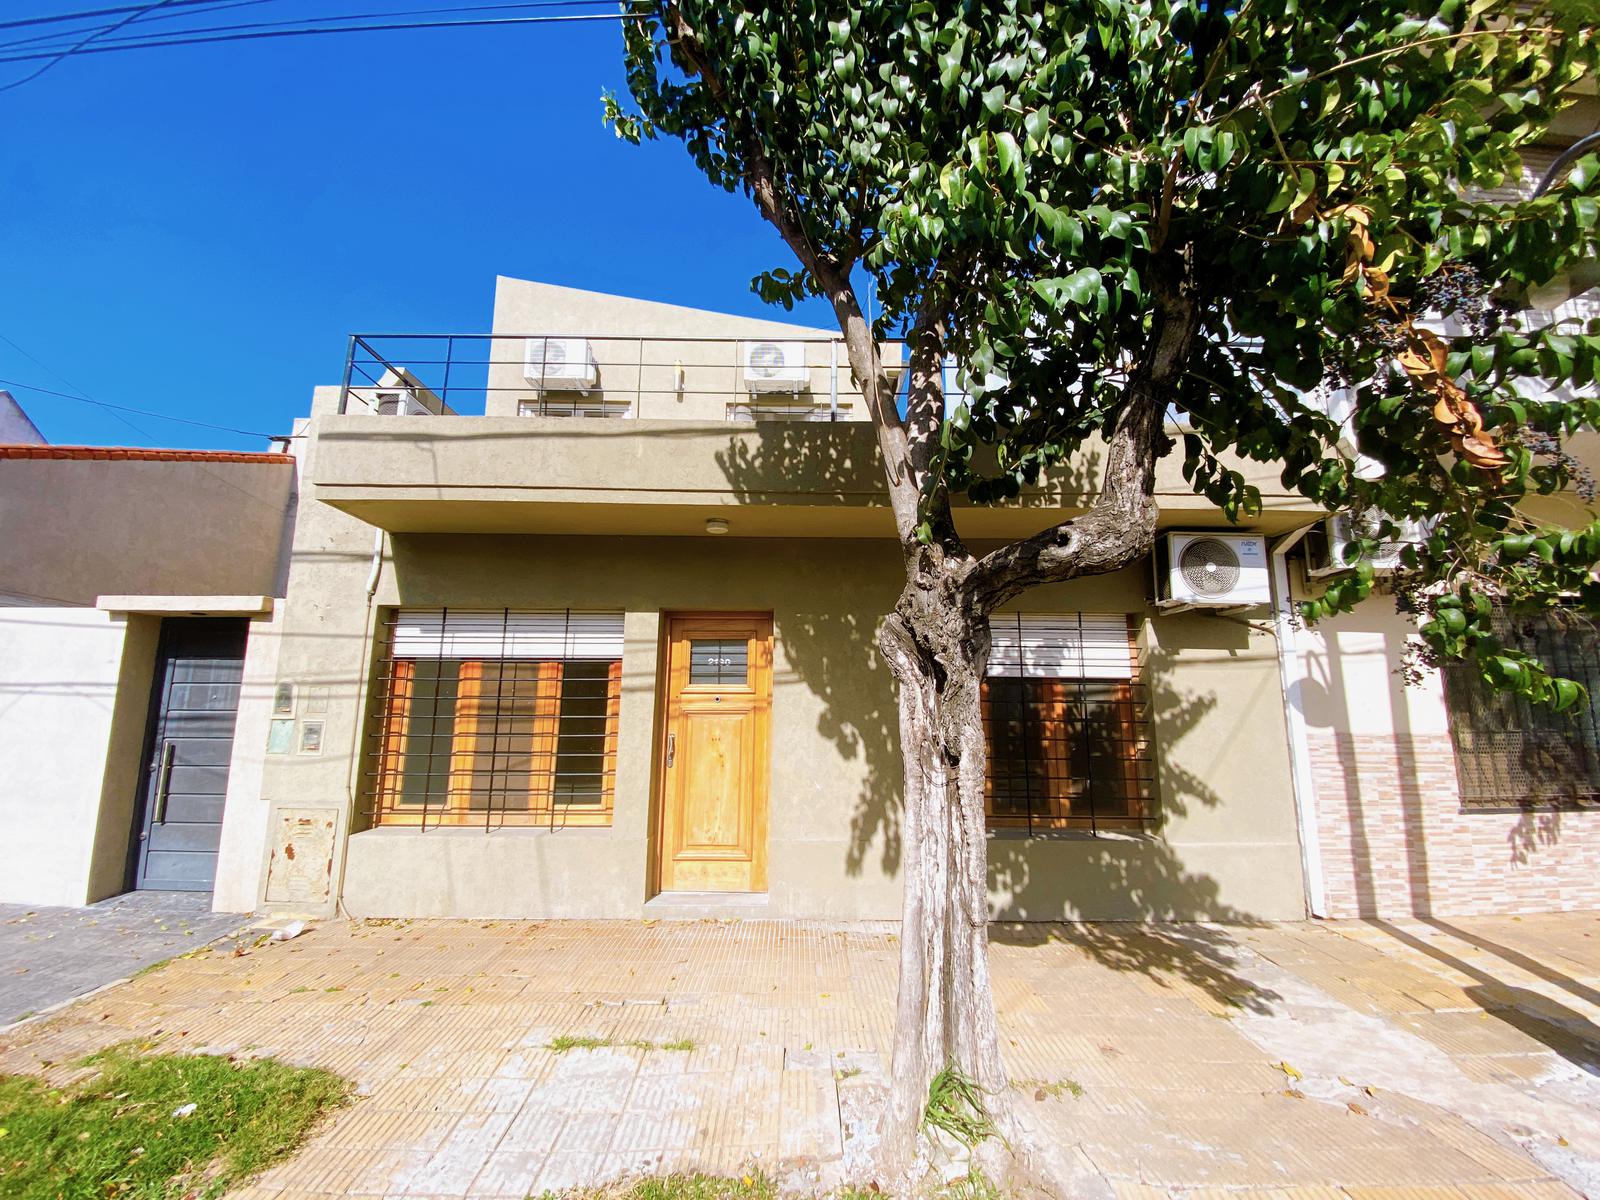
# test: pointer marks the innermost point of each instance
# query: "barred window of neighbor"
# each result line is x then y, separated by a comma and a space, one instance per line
497, 717
1511, 754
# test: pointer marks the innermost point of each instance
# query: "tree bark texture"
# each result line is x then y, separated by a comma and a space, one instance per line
936, 643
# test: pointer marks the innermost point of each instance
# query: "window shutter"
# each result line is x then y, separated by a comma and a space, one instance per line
1061, 646
500, 633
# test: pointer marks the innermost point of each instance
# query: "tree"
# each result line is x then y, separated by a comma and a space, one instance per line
1110, 209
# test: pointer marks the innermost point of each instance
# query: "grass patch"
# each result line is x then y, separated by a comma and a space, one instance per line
114, 1134
755, 1186
568, 1041
974, 1186
955, 1106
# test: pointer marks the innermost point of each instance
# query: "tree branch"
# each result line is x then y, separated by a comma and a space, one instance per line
1120, 528
834, 277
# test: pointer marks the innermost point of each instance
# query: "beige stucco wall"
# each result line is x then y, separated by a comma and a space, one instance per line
73, 699
1225, 849
75, 529
639, 346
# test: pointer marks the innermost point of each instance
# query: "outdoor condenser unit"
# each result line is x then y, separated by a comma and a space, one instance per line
775, 367
1212, 570
561, 364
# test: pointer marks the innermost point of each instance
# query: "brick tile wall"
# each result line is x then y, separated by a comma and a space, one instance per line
1396, 843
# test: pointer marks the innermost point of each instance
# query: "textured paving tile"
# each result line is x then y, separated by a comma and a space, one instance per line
49, 955
1175, 1061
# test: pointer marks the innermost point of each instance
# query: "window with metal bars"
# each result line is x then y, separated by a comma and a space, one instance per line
1066, 725
1511, 754
498, 717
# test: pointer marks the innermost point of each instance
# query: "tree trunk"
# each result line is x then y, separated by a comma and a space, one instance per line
937, 646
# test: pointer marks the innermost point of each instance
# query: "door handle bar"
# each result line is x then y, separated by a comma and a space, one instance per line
163, 780
672, 747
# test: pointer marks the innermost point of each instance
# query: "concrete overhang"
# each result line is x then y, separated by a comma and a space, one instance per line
667, 478
188, 606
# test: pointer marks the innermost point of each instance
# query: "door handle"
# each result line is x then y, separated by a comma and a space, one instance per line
163, 780
672, 747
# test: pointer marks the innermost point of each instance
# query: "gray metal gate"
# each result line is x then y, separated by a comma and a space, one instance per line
194, 705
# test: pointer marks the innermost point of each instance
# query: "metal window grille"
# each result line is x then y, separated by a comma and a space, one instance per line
770, 410
1066, 724
499, 717
548, 407
1513, 754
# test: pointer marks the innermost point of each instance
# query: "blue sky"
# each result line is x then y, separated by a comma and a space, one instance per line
195, 231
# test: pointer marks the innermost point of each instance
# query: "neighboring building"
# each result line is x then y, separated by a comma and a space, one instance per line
1440, 798
16, 428
131, 584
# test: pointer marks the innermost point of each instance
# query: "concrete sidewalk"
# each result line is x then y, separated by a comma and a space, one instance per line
48, 955
1357, 1060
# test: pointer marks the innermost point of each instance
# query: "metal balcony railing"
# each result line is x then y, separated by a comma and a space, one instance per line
781, 377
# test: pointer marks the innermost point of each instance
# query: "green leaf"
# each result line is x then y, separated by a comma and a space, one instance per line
1080, 287
1009, 154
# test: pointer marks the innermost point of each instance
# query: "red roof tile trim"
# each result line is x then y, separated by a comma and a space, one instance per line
139, 454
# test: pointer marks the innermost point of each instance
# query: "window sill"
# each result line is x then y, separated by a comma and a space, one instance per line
1074, 835
1501, 807
515, 831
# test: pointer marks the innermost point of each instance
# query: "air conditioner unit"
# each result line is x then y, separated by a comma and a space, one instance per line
1212, 570
1341, 529
561, 364
399, 404
775, 367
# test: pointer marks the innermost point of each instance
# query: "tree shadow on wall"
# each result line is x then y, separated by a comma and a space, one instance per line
1158, 901
833, 651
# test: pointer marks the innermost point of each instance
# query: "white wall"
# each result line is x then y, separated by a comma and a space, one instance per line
241, 853
59, 669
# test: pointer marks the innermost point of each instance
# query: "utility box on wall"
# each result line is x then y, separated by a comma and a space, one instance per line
300, 866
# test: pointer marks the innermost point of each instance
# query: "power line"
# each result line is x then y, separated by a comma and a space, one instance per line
82, 395
176, 40
143, 412
211, 6
248, 26
93, 12
80, 46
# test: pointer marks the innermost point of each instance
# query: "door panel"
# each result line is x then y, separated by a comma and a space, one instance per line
714, 759
198, 670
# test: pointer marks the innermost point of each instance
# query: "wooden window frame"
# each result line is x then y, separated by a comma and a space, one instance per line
474, 726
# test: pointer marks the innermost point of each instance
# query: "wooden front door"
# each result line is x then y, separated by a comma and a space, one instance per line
714, 754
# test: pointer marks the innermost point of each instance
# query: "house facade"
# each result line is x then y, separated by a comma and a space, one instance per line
577, 619
605, 648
